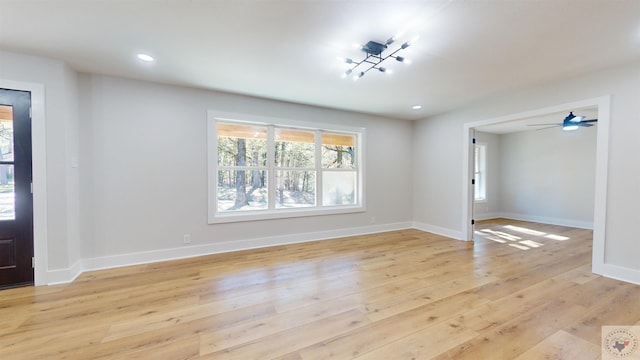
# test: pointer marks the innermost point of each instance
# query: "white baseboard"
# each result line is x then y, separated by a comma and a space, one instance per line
454, 234
145, 257
486, 216
63, 276
618, 273
540, 219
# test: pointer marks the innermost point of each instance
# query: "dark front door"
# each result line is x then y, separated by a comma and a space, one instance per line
16, 200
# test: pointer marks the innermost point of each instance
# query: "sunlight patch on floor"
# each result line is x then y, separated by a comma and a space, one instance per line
556, 237
491, 237
524, 230
502, 235
531, 243
517, 241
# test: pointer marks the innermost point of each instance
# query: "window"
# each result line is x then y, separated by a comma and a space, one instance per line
261, 169
480, 172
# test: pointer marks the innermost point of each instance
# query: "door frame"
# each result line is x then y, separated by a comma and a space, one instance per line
601, 177
38, 165
470, 187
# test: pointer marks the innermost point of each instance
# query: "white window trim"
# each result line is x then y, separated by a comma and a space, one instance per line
215, 217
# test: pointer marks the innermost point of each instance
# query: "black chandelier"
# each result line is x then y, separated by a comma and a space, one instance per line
374, 57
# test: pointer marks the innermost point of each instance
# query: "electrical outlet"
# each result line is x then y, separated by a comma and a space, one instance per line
186, 239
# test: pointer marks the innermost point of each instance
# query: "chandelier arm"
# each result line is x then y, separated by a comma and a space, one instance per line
366, 60
391, 55
370, 67
357, 64
375, 52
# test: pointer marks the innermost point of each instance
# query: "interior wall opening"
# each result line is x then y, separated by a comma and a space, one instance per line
522, 121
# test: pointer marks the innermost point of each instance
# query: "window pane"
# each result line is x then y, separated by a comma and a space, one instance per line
242, 145
338, 188
338, 151
295, 188
266, 171
294, 148
7, 193
476, 187
480, 159
6, 140
241, 190
476, 153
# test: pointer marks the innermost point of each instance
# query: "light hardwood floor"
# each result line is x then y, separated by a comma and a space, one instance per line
520, 291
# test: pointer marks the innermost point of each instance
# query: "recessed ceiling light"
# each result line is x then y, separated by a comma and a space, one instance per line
145, 57
416, 107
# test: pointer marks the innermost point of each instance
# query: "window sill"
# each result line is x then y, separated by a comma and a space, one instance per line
282, 214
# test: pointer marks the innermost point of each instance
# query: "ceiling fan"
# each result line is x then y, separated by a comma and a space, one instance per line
571, 122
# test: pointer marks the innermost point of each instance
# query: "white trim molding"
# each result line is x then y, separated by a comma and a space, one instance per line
618, 273
454, 234
540, 219
64, 276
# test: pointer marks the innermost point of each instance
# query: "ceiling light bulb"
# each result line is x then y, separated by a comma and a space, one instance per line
145, 57
570, 127
382, 69
416, 107
400, 58
405, 45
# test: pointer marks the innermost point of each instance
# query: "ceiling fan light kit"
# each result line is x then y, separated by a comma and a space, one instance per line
374, 57
572, 122
570, 127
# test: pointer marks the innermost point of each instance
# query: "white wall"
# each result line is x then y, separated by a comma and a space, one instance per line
71, 164
144, 173
549, 176
436, 170
438, 200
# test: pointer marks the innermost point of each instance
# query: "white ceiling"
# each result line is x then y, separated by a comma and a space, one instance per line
287, 50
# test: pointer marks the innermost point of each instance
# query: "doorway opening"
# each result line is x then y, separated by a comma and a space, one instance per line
602, 104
